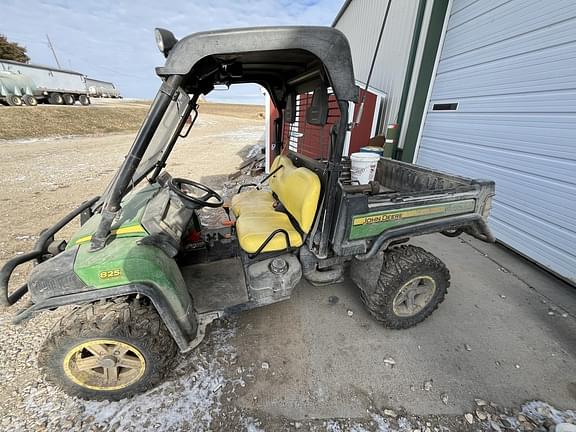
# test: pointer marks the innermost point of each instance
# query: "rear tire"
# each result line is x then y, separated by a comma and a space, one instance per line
30, 100
111, 349
84, 100
68, 99
55, 99
411, 284
14, 100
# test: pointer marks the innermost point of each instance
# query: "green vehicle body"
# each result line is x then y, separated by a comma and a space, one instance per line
123, 248
124, 261
124, 267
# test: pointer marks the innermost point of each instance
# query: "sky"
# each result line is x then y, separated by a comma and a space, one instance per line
113, 40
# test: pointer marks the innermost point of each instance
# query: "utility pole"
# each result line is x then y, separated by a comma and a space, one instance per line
53, 52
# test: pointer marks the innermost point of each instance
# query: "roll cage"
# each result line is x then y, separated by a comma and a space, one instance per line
283, 60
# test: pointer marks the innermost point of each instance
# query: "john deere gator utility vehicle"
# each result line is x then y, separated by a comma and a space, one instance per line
148, 274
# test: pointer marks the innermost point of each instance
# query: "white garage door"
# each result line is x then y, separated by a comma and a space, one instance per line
503, 107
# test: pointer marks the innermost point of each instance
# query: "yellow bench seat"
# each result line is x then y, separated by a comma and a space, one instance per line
297, 189
251, 201
254, 228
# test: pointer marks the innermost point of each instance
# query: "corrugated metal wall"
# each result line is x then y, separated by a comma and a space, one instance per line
361, 22
511, 67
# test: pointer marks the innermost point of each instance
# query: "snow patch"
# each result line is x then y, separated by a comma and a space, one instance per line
333, 426
251, 425
541, 411
187, 401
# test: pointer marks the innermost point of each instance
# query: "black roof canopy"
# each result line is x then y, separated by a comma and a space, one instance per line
275, 57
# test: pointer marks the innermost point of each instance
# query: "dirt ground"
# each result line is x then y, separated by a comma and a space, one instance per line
292, 366
44, 179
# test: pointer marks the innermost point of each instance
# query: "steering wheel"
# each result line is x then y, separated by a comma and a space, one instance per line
176, 184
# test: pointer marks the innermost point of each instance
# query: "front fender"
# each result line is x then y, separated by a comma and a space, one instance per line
123, 267
179, 319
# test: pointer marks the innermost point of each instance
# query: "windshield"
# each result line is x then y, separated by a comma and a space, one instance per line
167, 128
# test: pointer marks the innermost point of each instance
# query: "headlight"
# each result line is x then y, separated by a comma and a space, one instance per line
165, 40
159, 40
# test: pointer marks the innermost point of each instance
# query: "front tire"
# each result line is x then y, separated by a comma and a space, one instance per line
411, 284
111, 350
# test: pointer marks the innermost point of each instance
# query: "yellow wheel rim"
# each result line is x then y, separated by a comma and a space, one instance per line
104, 364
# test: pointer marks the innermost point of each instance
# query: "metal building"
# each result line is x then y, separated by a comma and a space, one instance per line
508, 74
362, 30
489, 92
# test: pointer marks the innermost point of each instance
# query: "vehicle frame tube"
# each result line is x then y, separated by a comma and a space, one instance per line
128, 168
334, 169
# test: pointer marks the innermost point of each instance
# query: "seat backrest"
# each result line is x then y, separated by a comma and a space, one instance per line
298, 189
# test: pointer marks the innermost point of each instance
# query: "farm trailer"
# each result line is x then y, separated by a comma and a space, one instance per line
104, 89
54, 86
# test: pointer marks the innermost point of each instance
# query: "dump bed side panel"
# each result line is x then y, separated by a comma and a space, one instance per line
412, 201
372, 224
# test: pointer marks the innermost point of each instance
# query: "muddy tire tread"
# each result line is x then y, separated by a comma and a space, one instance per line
130, 320
400, 264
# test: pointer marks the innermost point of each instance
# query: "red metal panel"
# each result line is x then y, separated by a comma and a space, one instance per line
362, 131
312, 140
309, 140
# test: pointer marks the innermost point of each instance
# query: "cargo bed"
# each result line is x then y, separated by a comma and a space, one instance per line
408, 200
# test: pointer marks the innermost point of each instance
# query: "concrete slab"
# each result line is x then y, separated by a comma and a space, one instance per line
549, 286
327, 364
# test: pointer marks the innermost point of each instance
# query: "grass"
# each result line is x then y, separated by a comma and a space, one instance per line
50, 121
